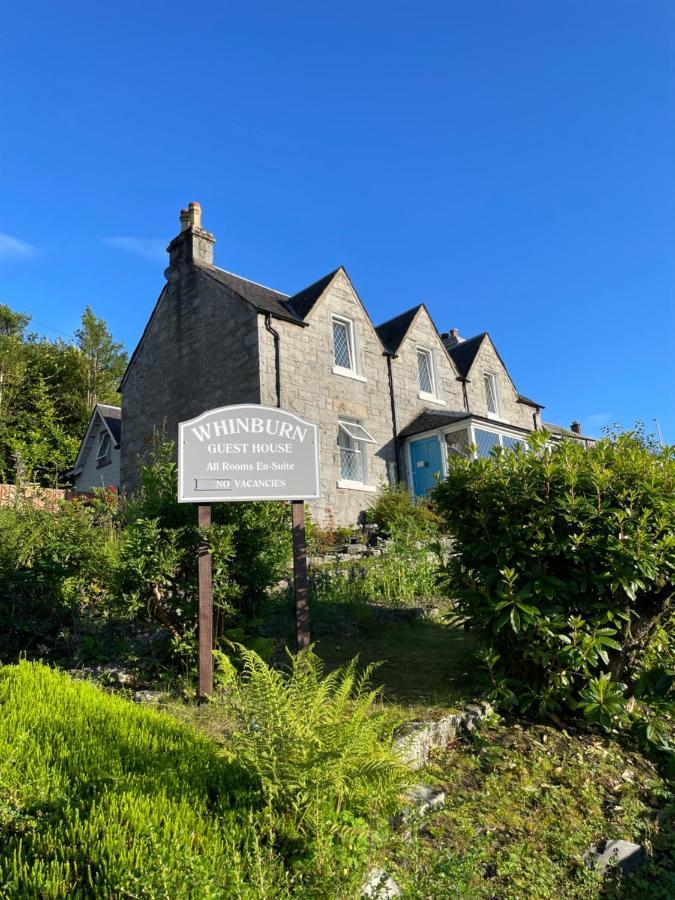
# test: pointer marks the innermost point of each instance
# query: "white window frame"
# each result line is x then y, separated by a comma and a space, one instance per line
432, 397
358, 435
494, 381
104, 455
352, 344
500, 434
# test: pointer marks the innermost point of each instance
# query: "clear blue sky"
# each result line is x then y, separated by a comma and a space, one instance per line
511, 164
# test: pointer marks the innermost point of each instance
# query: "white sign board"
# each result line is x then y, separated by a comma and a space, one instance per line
247, 452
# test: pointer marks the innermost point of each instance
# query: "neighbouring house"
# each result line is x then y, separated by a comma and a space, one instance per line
98, 460
391, 401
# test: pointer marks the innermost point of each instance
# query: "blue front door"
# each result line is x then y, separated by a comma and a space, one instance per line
425, 459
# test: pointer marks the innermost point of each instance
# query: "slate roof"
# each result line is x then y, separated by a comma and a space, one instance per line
113, 419
392, 332
430, 419
560, 431
464, 354
264, 299
528, 402
302, 303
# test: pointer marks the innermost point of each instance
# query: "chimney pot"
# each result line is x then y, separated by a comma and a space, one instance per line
193, 244
576, 427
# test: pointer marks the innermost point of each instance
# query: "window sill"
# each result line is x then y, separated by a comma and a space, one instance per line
356, 486
347, 373
102, 463
431, 398
495, 418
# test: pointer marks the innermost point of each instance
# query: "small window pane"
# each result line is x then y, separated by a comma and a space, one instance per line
485, 441
351, 465
491, 394
103, 446
424, 368
511, 443
341, 345
457, 443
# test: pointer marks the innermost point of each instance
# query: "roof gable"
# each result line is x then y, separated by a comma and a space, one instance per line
102, 414
302, 303
464, 354
393, 331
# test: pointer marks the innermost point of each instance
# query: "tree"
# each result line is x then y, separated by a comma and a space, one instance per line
105, 359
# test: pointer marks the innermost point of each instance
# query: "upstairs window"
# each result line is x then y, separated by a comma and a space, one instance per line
103, 452
491, 394
425, 368
343, 344
351, 441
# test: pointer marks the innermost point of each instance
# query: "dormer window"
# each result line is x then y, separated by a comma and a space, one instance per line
103, 452
491, 394
343, 344
425, 369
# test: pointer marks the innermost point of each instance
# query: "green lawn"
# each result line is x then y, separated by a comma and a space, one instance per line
422, 662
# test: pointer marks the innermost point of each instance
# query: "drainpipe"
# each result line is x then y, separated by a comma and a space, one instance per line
277, 356
464, 394
397, 469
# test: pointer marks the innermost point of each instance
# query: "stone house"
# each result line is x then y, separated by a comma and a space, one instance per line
390, 401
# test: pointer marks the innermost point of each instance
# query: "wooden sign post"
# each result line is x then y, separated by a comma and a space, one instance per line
247, 452
205, 618
300, 574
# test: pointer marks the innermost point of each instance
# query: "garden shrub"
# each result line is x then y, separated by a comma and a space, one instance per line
158, 576
401, 516
563, 568
57, 562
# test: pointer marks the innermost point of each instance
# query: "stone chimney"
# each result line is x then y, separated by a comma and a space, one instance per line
576, 427
193, 244
452, 339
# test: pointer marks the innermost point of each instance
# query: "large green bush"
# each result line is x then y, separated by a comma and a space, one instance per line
563, 567
57, 561
401, 516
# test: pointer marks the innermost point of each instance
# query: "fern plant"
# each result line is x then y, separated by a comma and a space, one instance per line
314, 743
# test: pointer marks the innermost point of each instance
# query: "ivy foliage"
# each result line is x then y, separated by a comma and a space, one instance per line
563, 568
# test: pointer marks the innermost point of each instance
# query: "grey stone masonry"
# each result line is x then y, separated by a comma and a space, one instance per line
512, 411
199, 351
311, 387
212, 340
410, 401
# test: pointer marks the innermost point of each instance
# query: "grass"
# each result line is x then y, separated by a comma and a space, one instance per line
421, 662
102, 798
523, 802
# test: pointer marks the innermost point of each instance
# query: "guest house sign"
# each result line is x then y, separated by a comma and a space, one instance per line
247, 452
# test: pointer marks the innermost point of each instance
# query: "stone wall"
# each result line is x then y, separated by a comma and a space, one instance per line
512, 411
310, 388
405, 372
200, 351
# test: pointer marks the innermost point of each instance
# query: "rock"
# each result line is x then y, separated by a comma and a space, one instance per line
414, 741
423, 799
380, 886
147, 696
625, 855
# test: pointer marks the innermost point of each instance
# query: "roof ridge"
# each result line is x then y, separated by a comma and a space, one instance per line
250, 281
401, 314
